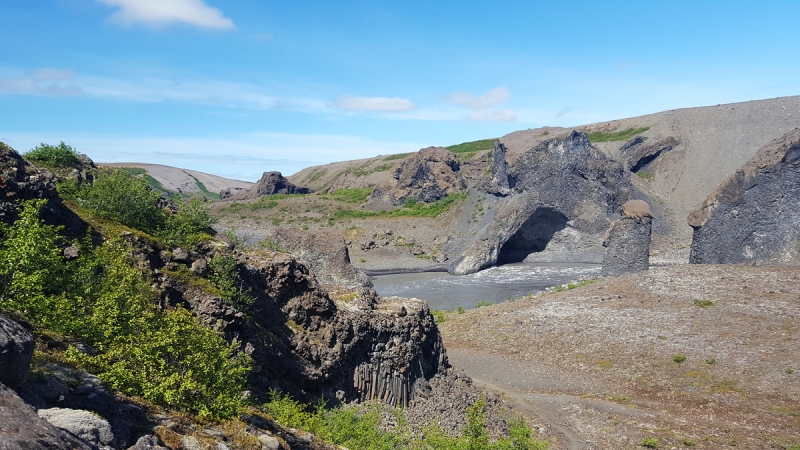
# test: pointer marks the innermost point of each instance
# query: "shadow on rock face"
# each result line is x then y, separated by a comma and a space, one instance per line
533, 235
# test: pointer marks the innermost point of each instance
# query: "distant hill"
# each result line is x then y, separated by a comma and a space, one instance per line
183, 182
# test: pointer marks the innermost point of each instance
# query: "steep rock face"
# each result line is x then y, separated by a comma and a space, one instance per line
20, 180
426, 176
355, 348
638, 152
564, 194
628, 240
22, 429
499, 181
753, 217
270, 183
326, 254
16, 351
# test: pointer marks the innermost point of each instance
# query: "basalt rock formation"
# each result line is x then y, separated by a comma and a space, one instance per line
270, 183
426, 176
627, 242
753, 216
563, 196
326, 254
19, 180
638, 152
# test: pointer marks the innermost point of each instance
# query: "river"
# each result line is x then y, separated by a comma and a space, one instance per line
496, 284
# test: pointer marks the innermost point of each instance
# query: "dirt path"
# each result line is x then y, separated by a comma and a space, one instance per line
688, 356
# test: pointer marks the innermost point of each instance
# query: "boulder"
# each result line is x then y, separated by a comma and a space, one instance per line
627, 242
148, 442
16, 351
83, 424
753, 216
22, 429
270, 183
326, 254
426, 176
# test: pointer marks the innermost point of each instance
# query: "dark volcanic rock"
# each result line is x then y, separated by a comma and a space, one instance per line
20, 180
22, 429
16, 351
753, 216
499, 181
426, 176
326, 254
628, 241
638, 153
565, 194
270, 183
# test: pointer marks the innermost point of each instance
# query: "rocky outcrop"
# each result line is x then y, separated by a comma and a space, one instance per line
16, 351
83, 424
753, 216
564, 195
638, 152
326, 254
19, 180
627, 242
270, 183
22, 429
499, 181
426, 176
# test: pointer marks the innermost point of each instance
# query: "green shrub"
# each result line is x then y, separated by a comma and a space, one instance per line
679, 358
439, 316
483, 303
61, 155
460, 310
224, 275
649, 442
704, 303
103, 299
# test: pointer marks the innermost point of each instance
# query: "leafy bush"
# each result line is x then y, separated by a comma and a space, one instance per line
360, 427
704, 303
117, 195
649, 442
679, 358
101, 298
223, 273
61, 155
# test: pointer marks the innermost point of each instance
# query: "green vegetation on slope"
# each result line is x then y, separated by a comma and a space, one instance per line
360, 427
396, 156
121, 197
474, 146
103, 299
60, 156
209, 195
354, 195
600, 136
409, 209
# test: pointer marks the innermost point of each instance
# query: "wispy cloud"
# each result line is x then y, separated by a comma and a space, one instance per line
481, 105
496, 115
494, 97
163, 12
45, 81
375, 104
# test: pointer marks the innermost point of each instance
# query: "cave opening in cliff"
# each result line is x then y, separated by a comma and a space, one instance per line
532, 236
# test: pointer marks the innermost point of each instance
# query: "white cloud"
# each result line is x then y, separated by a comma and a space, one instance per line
51, 74
499, 115
377, 104
494, 97
162, 12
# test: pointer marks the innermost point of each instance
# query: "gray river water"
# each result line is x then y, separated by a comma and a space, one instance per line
497, 284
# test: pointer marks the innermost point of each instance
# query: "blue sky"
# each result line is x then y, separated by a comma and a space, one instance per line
240, 87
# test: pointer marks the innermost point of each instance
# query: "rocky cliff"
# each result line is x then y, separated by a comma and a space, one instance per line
270, 183
753, 216
563, 195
